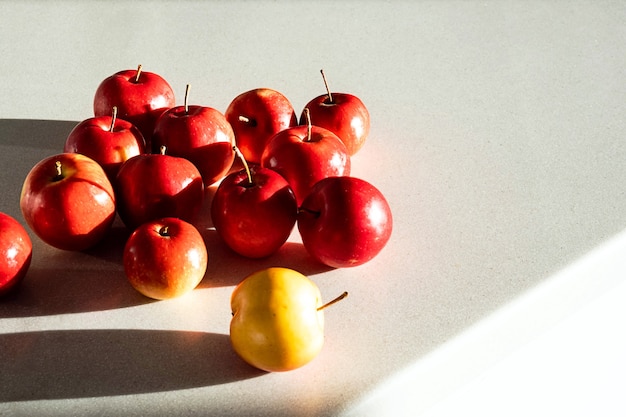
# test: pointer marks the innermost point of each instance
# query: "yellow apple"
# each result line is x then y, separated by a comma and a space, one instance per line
278, 319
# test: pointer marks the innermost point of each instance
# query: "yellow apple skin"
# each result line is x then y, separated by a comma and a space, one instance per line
276, 325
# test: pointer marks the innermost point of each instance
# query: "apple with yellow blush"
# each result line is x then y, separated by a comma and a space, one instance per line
165, 258
278, 319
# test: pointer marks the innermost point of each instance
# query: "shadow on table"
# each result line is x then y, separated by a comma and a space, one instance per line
64, 282
226, 268
65, 364
48, 135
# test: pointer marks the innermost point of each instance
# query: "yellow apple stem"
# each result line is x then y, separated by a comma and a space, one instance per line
59, 171
138, 73
113, 118
330, 96
245, 164
187, 98
162, 149
307, 114
331, 302
247, 120
164, 231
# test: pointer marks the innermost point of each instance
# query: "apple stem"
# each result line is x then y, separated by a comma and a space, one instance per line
307, 114
306, 210
138, 73
59, 171
162, 149
164, 231
245, 164
331, 302
113, 118
187, 98
330, 96
247, 120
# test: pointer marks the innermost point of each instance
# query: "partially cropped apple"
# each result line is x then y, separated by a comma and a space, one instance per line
16, 252
68, 201
343, 114
304, 155
153, 186
278, 319
199, 134
344, 221
165, 258
254, 211
140, 96
108, 140
256, 116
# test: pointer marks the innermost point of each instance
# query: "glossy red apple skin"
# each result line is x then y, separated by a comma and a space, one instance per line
73, 211
344, 222
139, 102
268, 112
346, 116
154, 186
200, 134
16, 252
165, 258
94, 138
256, 219
303, 162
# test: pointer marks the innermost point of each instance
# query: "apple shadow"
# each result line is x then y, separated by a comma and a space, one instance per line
48, 135
64, 364
64, 282
227, 268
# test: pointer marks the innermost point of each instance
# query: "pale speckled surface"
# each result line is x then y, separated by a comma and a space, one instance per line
497, 137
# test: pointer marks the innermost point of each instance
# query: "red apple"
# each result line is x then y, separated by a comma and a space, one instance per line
16, 252
344, 221
165, 258
200, 134
304, 155
254, 211
140, 97
343, 114
256, 116
153, 186
107, 140
68, 201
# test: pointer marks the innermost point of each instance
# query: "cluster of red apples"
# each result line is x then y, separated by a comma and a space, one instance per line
149, 161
